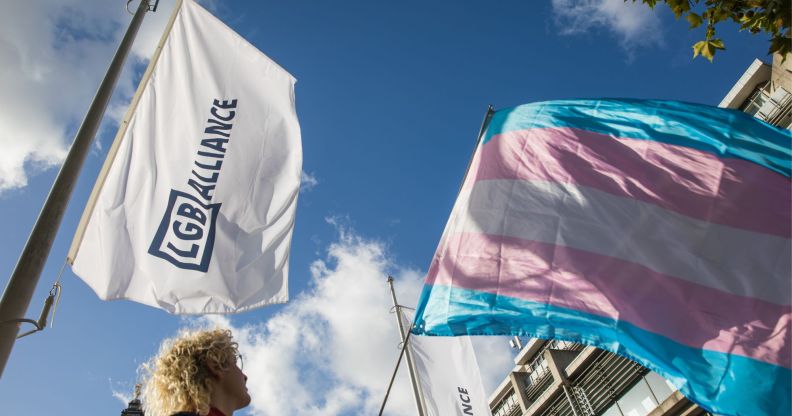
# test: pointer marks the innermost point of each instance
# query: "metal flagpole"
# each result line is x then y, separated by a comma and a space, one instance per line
482, 129
416, 387
395, 370
122, 128
22, 284
410, 365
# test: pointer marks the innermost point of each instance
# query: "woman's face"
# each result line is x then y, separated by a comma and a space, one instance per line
232, 382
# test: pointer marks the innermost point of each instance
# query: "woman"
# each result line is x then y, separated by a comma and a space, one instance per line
196, 374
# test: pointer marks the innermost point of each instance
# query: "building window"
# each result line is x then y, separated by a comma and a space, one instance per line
773, 107
538, 379
506, 406
661, 387
757, 99
558, 344
538, 369
642, 398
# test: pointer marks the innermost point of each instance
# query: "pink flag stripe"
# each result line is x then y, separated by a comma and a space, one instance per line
583, 218
690, 314
698, 184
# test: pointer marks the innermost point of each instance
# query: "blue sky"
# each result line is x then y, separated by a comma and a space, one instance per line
390, 96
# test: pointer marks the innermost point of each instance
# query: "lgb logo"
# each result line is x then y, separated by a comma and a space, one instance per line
185, 236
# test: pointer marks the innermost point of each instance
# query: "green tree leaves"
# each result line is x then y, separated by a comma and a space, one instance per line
695, 20
707, 48
765, 16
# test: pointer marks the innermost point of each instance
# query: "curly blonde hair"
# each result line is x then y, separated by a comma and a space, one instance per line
177, 379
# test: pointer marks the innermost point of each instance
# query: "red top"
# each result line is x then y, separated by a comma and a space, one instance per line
212, 412
215, 412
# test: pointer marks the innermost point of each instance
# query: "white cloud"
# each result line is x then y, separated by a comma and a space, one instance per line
54, 53
633, 24
495, 359
120, 392
331, 351
307, 181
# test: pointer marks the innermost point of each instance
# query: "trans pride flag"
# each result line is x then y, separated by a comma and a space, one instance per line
657, 230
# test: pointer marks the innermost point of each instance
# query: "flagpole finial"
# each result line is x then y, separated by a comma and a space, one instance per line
390, 279
151, 7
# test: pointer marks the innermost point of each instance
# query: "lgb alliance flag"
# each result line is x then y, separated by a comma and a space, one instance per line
449, 375
657, 230
195, 214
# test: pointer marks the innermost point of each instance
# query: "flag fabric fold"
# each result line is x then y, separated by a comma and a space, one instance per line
198, 206
657, 230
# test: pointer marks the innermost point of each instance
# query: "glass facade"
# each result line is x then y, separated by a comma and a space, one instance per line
595, 383
755, 101
771, 107
642, 398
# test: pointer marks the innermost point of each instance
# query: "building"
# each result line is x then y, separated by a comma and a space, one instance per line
135, 407
765, 92
561, 378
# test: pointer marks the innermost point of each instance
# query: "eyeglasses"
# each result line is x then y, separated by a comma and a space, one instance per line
239, 362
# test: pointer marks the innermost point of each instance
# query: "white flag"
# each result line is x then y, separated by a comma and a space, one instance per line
448, 374
197, 209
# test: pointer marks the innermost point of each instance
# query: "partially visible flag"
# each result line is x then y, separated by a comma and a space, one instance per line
449, 375
197, 209
653, 229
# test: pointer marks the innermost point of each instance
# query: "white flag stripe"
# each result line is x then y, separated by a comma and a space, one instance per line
588, 219
197, 210
449, 375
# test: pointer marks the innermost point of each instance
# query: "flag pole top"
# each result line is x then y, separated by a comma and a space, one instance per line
150, 7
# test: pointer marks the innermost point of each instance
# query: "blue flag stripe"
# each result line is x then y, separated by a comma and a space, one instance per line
721, 382
723, 132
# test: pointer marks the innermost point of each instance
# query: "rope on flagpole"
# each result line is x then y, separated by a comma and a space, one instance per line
59, 288
393, 308
395, 370
53, 299
416, 386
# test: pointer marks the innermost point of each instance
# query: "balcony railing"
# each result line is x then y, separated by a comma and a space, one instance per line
609, 375
539, 377
538, 386
507, 407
